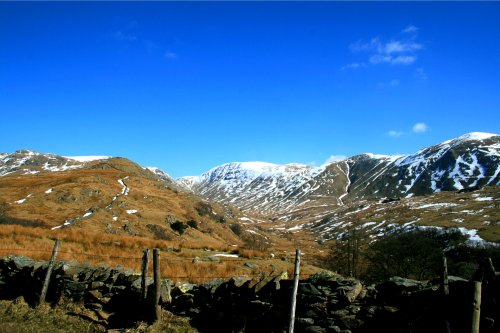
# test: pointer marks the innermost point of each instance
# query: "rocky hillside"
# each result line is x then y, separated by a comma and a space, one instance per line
465, 163
103, 194
27, 162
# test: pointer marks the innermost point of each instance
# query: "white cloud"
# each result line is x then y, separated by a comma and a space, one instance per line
397, 51
395, 134
404, 60
420, 74
420, 128
354, 65
401, 47
119, 35
398, 60
411, 29
335, 158
359, 46
170, 55
379, 58
394, 83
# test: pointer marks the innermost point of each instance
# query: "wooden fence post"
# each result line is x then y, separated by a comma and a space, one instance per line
144, 272
157, 285
49, 272
294, 292
445, 290
476, 307
489, 270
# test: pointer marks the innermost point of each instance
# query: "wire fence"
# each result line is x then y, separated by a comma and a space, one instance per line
170, 264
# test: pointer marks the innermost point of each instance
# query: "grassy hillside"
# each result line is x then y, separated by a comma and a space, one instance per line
111, 210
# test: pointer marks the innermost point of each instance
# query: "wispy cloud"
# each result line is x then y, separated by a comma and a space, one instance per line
401, 47
401, 50
395, 134
391, 83
394, 83
360, 46
170, 55
121, 36
129, 39
420, 73
420, 128
354, 65
411, 29
394, 60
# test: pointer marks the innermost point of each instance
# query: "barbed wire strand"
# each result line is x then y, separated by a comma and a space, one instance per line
212, 258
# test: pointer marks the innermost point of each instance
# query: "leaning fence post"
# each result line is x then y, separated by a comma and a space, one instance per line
157, 285
489, 270
144, 272
445, 290
49, 272
294, 293
476, 307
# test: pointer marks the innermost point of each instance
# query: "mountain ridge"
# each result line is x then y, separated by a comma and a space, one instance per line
93, 192
462, 163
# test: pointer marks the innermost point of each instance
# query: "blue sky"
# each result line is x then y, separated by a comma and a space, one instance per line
188, 86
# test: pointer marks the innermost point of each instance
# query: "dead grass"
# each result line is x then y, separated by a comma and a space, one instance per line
246, 253
17, 316
169, 323
178, 261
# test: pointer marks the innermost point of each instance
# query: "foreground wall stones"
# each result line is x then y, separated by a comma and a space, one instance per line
326, 302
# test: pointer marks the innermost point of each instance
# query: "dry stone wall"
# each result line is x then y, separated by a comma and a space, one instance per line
326, 302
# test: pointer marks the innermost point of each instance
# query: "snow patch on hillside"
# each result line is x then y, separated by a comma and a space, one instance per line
87, 158
484, 199
125, 189
477, 136
23, 200
436, 206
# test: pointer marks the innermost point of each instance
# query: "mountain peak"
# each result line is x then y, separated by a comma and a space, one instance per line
477, 136
256, 168
467, 162
472, 136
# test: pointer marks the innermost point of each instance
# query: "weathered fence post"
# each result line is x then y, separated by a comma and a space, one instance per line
157, 285
144, 272
489, 270
294, 292
445, 290
49, 272
476, 307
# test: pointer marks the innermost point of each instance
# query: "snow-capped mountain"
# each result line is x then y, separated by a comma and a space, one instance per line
248, 185
31, 162
467, 162
163, 175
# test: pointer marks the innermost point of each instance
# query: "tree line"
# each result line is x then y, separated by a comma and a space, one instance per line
415, 253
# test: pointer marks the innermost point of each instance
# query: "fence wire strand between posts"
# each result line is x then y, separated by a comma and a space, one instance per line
211, 259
